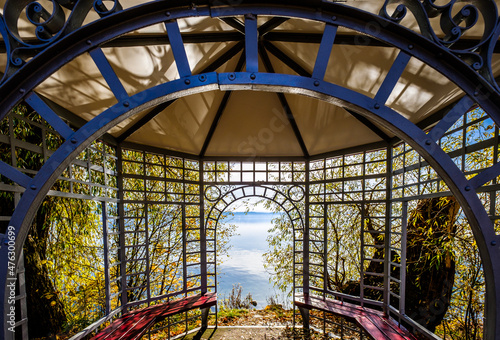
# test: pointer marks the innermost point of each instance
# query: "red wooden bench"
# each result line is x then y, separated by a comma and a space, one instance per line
135, 324
375, 323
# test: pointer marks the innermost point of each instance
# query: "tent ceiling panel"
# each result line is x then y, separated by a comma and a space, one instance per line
323, 125
183, 126
254, 124
79, 87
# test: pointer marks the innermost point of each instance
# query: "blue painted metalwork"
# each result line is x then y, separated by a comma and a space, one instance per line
61, 39
392, 77
174, 36
325, 49
50, 116
251, 43
108, 73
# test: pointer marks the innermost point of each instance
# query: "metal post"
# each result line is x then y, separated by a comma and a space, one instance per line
362, 257
305, 246
388, 230
104, 215
402, 276
203, 234
121, 220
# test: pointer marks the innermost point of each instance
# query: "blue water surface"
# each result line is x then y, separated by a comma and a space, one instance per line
245, 264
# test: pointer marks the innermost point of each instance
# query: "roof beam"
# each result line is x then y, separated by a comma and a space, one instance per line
234, 23
284, 104
271, 24
286, 59
144, 120
370, 125
224, 58
74, 119
220, 110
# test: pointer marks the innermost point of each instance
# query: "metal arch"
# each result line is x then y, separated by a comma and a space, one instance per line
467, 79
363, 105
388, 31
234, 198
242, 188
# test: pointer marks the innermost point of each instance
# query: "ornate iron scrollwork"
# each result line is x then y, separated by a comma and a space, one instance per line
455, 19
454, 22
49, 25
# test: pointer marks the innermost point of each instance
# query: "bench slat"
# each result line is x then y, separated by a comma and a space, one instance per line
135, 324
374, 322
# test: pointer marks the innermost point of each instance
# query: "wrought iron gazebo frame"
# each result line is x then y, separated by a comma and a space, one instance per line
469, 68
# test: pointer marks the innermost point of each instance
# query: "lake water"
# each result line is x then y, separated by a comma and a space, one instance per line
245, 264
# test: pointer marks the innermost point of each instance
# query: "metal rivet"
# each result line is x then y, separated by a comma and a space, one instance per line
187, 81
232, 76
377, 106
476, 93
493, 243
202, 77
89, 42
410, 47
167, 14
33, 187
126, 104
73, 140
334, 18
253, 76
316, 83
428, 142
468, 188
21, 91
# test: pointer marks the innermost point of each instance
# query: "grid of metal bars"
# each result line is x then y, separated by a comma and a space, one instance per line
165, 192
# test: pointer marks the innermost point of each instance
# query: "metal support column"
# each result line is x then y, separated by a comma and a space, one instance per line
121, 220
105, 243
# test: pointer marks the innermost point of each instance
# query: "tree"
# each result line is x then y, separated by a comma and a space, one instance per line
46, 314
430, 260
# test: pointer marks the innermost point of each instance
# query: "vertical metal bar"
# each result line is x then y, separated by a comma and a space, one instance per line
203, 233
177, 45
325, 50
104, 215
305, 246
362, 255
325, 249
22, 296
392, 77
388, 229
121, 221
184, 241
148, 264
251, 43
402, 276
109, 74
492, 210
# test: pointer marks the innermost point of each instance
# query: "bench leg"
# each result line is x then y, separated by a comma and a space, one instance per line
204, 317
305, 319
